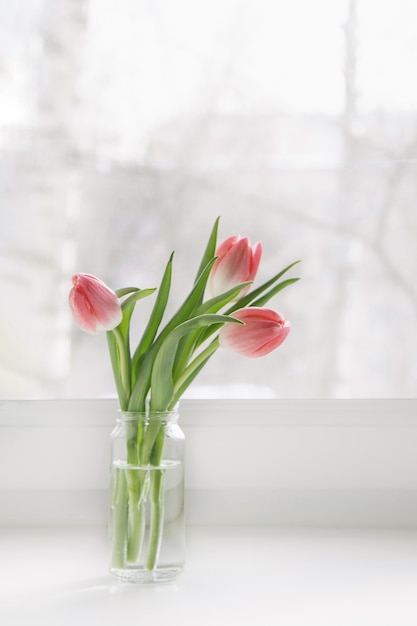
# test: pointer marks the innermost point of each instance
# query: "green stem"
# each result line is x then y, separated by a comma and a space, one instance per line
195, 364
157, 500
138, 487
138, 491
131, 491
124, 360
120, 517
157, 517
144, 447
150, 438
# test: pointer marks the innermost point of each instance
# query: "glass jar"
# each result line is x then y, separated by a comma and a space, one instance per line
147, 528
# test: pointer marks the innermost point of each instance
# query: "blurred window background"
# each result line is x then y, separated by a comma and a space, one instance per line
127, 127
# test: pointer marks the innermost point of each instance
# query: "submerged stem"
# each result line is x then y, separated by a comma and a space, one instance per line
157, 518
157, 499
120, 518
138, 492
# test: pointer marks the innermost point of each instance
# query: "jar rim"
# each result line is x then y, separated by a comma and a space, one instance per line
170, 415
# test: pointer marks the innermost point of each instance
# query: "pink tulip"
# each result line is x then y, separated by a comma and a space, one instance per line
238, 262
95, 306
263, 331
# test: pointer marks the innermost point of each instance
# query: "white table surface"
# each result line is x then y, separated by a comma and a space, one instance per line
237, 576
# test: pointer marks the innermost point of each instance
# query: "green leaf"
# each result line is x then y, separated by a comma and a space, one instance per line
188, 343
253, 295
156, 315
187, 375
128, 306
267, 296
162, 384
145, 352
138, 295
189, 306
218, 302
144, 364
210, 250
178, 392
125, 290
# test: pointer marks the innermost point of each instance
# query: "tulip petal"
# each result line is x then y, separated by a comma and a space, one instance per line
237, 262
94, 305
226, 245
263, 331
256, 259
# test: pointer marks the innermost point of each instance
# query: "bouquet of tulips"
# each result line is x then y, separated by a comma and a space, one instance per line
221, 310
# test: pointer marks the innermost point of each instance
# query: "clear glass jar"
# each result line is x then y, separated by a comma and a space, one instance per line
147, 528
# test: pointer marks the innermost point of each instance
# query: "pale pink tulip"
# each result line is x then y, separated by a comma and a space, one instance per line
263, 331
237, 262
95, 306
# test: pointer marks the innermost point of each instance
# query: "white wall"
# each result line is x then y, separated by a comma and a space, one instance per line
265, 462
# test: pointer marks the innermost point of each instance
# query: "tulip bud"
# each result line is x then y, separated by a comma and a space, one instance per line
263, 331
237, 262
95, 306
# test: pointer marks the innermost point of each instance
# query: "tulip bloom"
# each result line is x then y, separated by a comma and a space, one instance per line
95, 306
263, 331
237, 262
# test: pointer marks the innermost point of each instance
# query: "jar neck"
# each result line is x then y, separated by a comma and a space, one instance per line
148, 417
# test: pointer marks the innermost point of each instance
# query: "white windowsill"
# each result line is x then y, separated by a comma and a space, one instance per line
234, 575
